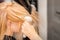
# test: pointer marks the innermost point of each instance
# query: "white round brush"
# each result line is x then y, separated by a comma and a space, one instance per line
28, 19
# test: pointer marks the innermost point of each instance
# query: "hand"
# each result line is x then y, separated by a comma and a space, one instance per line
27, 28
29, 31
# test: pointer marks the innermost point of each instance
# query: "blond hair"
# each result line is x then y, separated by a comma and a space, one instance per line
14, 12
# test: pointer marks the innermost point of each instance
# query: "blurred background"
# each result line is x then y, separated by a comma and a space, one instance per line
53, 19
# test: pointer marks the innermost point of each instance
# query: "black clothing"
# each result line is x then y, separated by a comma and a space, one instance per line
8, 38
25, 5
26, 38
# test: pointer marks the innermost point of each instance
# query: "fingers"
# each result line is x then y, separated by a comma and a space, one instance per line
28, 29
